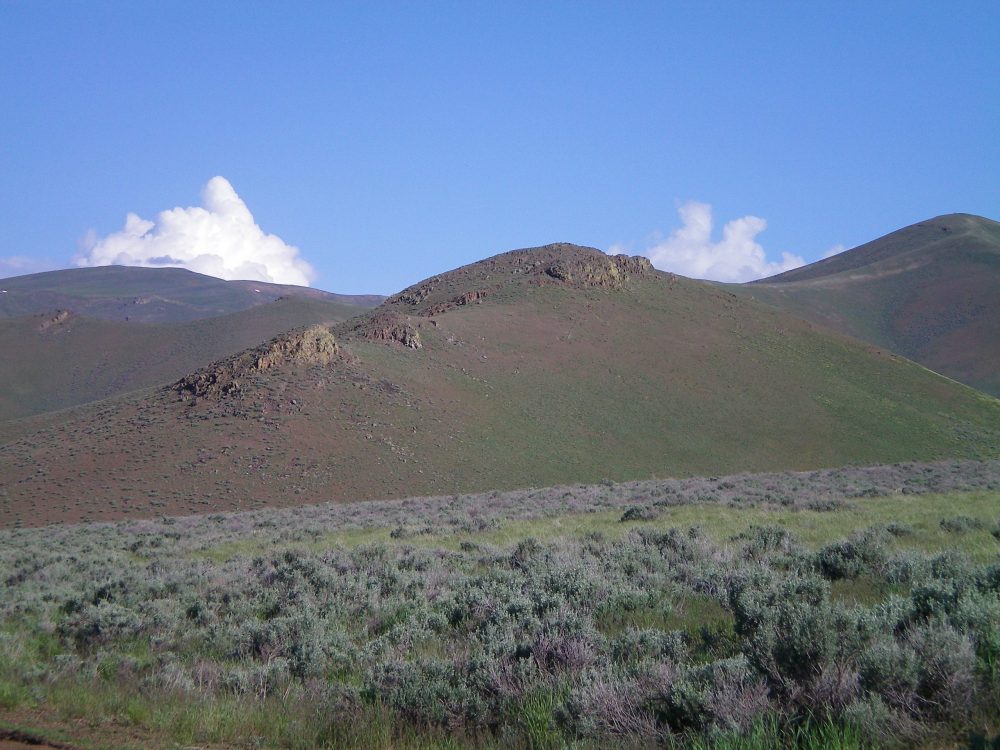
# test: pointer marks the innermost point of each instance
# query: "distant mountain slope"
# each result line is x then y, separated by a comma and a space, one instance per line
930, 292
537, 367
59, 359
148, 295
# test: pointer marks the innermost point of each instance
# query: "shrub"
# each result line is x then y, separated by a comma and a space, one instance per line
256, 679
760, 541
407, 532
98, 624
428, 690
635, 645
640, 513
947, 663
977, 614
533, 644
850, 558
797, 638
724, 694
891, 671
961, 524
610, 706
937, 597
876, 725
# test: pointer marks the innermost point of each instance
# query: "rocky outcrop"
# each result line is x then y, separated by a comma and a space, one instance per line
56, 319
634, 266
468, 298
388, 327
414, 295
398, 319
313, 346
562, 263
598, 270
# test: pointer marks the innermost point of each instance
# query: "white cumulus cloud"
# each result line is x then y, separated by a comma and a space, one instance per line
691, 251
219, 238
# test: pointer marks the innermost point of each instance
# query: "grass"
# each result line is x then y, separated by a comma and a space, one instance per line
117, 357
720, 524
900, 292
811, 735
174, 720
555, 384
812, 528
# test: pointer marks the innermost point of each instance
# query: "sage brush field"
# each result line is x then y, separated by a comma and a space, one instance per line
849, 608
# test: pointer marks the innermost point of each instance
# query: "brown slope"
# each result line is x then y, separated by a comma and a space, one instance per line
61, 359
571, 367
930, 292
148, 295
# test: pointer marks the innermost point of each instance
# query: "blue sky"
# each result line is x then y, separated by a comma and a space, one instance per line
391, 141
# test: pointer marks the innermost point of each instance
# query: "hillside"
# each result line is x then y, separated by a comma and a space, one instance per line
60, 359
148, 295
535, 367
928, 292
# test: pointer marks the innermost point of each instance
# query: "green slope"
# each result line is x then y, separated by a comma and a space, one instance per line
148, 295
539, 367
60, 360
928, 292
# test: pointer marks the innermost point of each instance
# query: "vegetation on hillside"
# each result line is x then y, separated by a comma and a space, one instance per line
926, 292
536, 367
150, 295
59, 360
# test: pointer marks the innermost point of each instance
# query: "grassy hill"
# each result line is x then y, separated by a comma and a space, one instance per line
148, 295
927, 292
59, 359
536, 367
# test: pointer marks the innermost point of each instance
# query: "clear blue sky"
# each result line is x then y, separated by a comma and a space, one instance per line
390, 141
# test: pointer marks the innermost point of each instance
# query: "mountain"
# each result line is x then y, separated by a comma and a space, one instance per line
930, 292
85, 334
60, 359
148, 295
535, 367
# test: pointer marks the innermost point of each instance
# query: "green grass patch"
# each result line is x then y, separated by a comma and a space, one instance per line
923, 514
768, 733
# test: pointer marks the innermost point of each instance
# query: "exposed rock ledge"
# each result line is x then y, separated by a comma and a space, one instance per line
388, 327
599, 271
313, 346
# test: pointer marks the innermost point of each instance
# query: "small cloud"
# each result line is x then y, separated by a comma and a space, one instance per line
835, 250
690, 250
219, 238
19, 265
